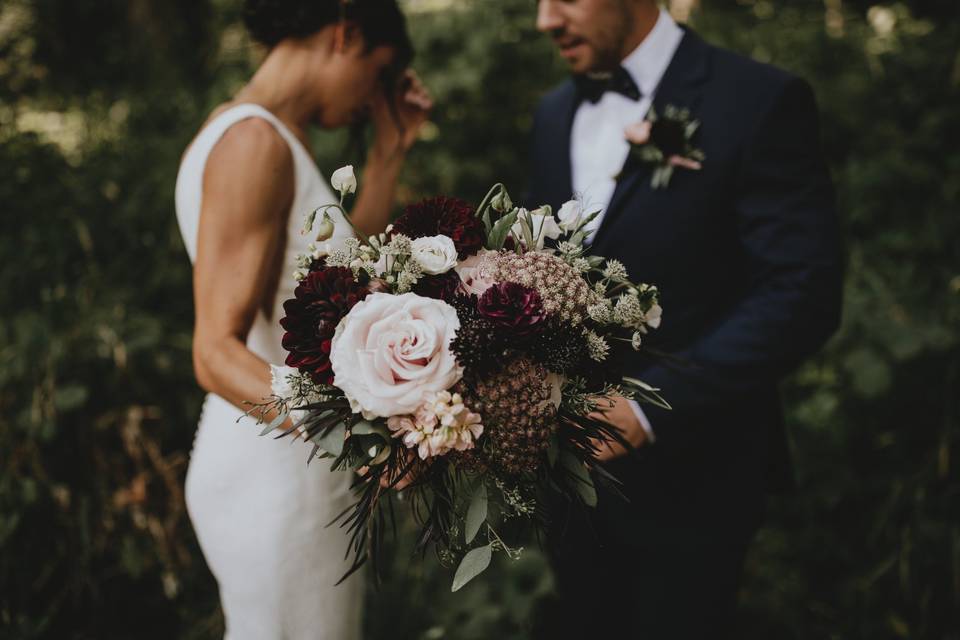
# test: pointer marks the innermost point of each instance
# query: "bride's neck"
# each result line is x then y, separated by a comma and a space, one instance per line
285, 83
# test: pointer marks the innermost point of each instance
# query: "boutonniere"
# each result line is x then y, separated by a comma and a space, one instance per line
665, 141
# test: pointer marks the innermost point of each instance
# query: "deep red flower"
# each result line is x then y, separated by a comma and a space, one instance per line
450, 217
514, 307
320, 301
441, 287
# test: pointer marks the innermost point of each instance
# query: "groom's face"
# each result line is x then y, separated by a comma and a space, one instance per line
589, 33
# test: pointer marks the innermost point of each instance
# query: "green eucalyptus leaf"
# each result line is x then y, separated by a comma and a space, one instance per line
276, 422
476, 512
473, 564
500, 231
332, 442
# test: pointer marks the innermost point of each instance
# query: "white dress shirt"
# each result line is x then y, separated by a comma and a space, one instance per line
598, 147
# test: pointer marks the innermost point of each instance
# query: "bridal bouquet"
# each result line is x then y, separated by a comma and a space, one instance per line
469, 350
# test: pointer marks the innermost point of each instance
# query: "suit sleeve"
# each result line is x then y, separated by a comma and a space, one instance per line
787, 226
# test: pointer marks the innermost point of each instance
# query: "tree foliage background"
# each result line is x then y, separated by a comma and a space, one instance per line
98, 98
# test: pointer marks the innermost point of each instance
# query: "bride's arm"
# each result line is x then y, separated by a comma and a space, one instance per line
395, 132
248, 186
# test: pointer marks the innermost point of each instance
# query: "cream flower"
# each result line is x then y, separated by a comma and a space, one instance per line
570, 214
435, 254
477, 273
344, 180
391, 353
542, 225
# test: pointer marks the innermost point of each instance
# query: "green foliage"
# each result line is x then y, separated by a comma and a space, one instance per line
97, 403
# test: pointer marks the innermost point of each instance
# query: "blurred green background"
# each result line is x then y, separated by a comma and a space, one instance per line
98, 98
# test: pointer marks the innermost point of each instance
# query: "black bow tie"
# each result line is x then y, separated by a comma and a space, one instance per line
592, 86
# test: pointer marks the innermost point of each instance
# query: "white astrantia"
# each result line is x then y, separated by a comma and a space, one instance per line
601, 311
344, 180
542, 226
597, 346
434, 254
614, 270
628, 311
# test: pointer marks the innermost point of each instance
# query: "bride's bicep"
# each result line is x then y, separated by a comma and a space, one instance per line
247, 188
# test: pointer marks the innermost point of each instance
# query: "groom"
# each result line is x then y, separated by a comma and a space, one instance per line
746, 254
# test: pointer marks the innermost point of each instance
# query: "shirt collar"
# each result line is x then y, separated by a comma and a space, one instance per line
648, 62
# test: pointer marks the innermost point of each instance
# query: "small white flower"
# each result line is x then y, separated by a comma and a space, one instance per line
653, 316
601, 312
542, 226
627, 311
581, 264
636, 341
344, 180
434, 254
597, 346
569, 214
614, 270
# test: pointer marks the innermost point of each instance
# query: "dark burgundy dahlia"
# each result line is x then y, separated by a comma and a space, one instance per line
441, 287
449, 217
320, 301
514, 307
667, 134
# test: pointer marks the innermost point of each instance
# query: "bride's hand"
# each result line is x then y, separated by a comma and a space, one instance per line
397, 127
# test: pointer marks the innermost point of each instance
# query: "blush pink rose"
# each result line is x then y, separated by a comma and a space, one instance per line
390, 353
477, 273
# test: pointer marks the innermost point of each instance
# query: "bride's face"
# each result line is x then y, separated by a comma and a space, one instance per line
352, 84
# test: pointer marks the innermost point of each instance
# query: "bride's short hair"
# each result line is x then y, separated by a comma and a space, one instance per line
380, 21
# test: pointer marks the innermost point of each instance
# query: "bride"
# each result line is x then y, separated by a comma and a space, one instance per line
244, 185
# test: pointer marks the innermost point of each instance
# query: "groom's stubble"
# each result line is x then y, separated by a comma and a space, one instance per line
596, 35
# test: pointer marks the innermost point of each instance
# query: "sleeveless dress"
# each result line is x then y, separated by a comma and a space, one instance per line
259, 512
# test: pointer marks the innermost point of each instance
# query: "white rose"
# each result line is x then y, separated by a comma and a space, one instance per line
343, 180
390, 353
569, 214
542, 225
477, 273
435, 254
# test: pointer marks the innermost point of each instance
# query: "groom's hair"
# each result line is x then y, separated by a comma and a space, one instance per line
381, 22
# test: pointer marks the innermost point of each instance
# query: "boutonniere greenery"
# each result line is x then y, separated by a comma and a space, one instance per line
665, 142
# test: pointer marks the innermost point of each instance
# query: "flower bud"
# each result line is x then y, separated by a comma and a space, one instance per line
325, 228
501, 202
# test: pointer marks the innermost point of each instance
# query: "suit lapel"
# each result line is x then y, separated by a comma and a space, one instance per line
555, 156
680, 86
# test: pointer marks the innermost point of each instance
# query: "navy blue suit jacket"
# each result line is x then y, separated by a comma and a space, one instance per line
747, 257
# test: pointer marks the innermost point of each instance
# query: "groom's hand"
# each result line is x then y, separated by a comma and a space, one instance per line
621, 415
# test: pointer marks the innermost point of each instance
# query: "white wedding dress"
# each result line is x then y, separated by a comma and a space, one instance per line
259, 512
